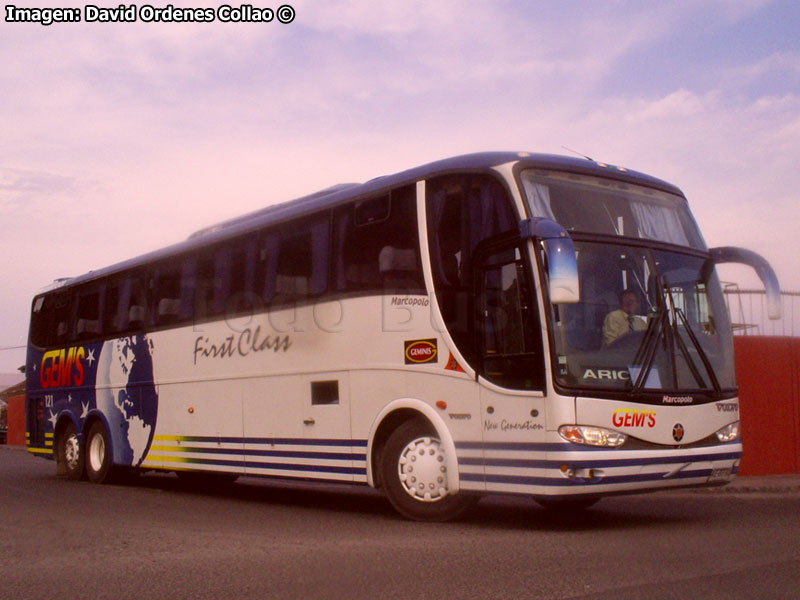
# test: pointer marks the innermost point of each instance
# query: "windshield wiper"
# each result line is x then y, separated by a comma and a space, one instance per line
700, 351
698, 377
659, 325
677, 313
646, 354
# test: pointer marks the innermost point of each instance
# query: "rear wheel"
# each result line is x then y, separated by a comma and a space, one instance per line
98, 454
415, 478
69, 454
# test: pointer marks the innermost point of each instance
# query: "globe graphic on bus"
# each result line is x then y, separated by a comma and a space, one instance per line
127, 396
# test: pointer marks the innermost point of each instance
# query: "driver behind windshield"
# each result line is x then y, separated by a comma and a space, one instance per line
625, 319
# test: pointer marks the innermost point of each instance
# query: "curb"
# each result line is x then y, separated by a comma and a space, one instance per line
757, 484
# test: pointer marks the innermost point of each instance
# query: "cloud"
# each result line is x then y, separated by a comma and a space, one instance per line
120, 138
33, 192
778, 63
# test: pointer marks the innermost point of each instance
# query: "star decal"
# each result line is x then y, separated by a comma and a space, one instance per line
85, 412
90, 359
52, 419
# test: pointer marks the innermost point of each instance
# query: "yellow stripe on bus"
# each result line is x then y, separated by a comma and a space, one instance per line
41, 450
156, 466
170, 449
158, 458
168, 438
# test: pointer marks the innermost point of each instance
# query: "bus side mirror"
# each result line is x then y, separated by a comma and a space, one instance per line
562, 267
730, 254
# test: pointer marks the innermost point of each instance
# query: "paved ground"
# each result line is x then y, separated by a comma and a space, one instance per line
156, 538
759, 484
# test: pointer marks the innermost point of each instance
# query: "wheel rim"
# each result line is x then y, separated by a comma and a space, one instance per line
97, 452
72, 451
422, 470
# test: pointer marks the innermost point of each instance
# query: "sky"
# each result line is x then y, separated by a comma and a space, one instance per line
120, 138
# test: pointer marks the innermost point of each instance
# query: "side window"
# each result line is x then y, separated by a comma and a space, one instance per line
133, 307
51, 317
236, 264
110, 318
87, 324
207, 286
166, 294
463, 211
302, 261
377, 245
62, 319
266, 255
222, 279
42, 321
172, 291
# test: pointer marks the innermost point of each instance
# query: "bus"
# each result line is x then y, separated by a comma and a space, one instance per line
495, 323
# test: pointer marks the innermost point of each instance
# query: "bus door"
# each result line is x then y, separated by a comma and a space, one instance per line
272, 415
326, 424
208, 418
510, 365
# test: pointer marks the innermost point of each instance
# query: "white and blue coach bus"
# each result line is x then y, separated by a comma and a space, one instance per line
505, 323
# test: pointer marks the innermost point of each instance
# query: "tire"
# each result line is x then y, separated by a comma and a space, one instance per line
415, 477
99, 468
69, 453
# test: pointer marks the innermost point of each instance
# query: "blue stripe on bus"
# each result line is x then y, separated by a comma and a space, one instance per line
523, 446
277, 466
307, 468
522, 463
558, 447
608, 463
563, 482
273, 453
273, 441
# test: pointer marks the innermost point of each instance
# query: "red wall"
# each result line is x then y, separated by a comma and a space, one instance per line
16, 421
768, 373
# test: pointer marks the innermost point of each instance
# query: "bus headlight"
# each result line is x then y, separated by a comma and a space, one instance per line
729, 433
592, 436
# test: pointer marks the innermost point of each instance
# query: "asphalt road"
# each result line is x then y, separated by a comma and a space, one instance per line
255, 539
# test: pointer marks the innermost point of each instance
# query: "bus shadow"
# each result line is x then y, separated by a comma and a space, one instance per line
493, 512
333, 497
609, 514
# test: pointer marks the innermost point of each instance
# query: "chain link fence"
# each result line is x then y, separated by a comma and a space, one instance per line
748, 311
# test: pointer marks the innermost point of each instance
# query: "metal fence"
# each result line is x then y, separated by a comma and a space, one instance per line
748, 311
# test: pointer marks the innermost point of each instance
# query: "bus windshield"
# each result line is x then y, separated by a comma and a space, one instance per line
648, 320
610, 207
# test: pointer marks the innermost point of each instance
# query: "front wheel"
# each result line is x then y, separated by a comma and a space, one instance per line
415, 478
98, 454
69, 454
